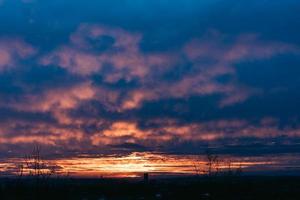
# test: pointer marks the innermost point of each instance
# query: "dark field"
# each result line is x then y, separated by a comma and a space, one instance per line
173, 188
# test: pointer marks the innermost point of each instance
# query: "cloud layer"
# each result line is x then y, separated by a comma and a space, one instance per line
172, 83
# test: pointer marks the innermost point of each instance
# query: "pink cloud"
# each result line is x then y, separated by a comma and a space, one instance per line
57, 101
210, 56
12, 51
81, 58
162, 133
244, 47
170, 131
250, 47
222, 58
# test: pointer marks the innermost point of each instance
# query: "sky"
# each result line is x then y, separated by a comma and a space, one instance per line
155, 81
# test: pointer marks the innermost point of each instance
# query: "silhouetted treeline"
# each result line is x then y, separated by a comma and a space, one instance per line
220, 187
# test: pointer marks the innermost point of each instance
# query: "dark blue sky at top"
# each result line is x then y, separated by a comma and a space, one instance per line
161, 21
165, 26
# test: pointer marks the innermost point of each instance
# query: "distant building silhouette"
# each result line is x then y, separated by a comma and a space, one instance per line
146, 177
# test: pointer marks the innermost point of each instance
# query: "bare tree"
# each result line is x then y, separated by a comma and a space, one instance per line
197, 168
212, 163
229, 167
239, 170
215, 166
20, 170
35, 167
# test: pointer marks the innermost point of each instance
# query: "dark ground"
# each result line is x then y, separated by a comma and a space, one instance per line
174, 188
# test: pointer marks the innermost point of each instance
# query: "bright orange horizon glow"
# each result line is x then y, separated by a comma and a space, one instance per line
137, 163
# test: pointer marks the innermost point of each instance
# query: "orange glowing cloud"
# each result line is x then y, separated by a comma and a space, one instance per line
56, 101
120, 132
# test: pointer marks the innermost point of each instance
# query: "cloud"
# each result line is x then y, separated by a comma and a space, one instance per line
87, 54
113, 79
119, 133
212, 47
162, 135
56, 100
115, 55
12, 51
215, 57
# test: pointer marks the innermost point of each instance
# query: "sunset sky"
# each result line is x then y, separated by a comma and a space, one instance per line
125, 86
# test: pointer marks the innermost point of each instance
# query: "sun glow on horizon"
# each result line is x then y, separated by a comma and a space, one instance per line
137, 163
